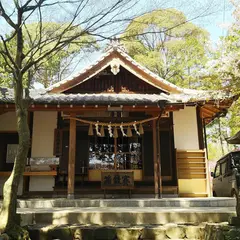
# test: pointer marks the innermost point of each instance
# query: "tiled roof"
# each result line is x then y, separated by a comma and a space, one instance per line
41, 96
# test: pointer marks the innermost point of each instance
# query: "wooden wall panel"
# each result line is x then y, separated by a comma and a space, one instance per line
192, 173
107, 80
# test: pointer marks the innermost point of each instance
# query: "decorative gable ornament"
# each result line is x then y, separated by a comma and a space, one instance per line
115, 44
115, 66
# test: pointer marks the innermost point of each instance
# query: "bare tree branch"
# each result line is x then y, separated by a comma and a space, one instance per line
6, 17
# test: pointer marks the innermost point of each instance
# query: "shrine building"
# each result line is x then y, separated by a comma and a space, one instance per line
117, 127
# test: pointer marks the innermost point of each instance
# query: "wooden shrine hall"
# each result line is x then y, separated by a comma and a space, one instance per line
114, 127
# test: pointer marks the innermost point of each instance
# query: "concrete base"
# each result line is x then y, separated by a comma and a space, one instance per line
124, 215
118, 203
70, 196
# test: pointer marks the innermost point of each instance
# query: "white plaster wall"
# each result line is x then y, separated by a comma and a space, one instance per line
185, 129
44, 124
20, 186
8, 121
41, 183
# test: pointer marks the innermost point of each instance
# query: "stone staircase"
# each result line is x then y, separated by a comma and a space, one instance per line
167, 218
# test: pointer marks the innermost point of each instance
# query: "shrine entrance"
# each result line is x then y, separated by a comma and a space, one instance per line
124, 151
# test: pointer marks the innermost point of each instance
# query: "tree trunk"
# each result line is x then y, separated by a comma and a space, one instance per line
9, 220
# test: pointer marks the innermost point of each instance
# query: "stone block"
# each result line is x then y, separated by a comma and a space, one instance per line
61, 233
37, 233
234, 221
128, 233
104, 233
173, 231
156, 233
27, 219
83, 233
194, 232
215, 231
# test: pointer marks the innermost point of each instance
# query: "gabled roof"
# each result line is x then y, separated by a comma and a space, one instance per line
126, 62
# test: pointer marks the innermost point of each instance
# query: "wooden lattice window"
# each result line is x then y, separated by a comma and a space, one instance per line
57, 150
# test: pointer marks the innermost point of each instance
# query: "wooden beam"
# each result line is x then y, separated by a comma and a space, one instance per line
212, 108
72, 156
155, 163
205, 110
159, 160
205, 114
84, 108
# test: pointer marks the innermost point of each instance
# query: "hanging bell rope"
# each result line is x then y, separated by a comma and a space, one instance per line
112, 124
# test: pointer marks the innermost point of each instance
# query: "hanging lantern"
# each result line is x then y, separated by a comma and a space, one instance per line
129, 132
141, 130
115, 133
102, 132
90, 130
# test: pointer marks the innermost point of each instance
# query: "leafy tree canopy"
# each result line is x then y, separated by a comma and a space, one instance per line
54, 67
175, 53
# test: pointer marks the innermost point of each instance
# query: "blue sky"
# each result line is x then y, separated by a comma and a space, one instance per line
218, 26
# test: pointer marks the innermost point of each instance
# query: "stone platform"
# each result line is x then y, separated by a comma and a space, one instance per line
129, 219
125, 215
126, 211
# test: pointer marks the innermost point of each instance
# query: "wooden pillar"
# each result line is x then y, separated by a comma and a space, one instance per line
71, 158
200, 128
115, 153
159, 160
205, 138
155, 163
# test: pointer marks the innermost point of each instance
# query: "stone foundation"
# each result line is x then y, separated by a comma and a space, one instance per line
207, 231
82, 232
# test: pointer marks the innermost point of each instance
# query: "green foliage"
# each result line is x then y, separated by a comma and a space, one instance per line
234, 120
224, 73
214, 151
55, 66
167, 44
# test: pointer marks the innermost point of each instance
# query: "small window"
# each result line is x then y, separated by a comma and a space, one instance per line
217, 171
224, 167
236, 158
